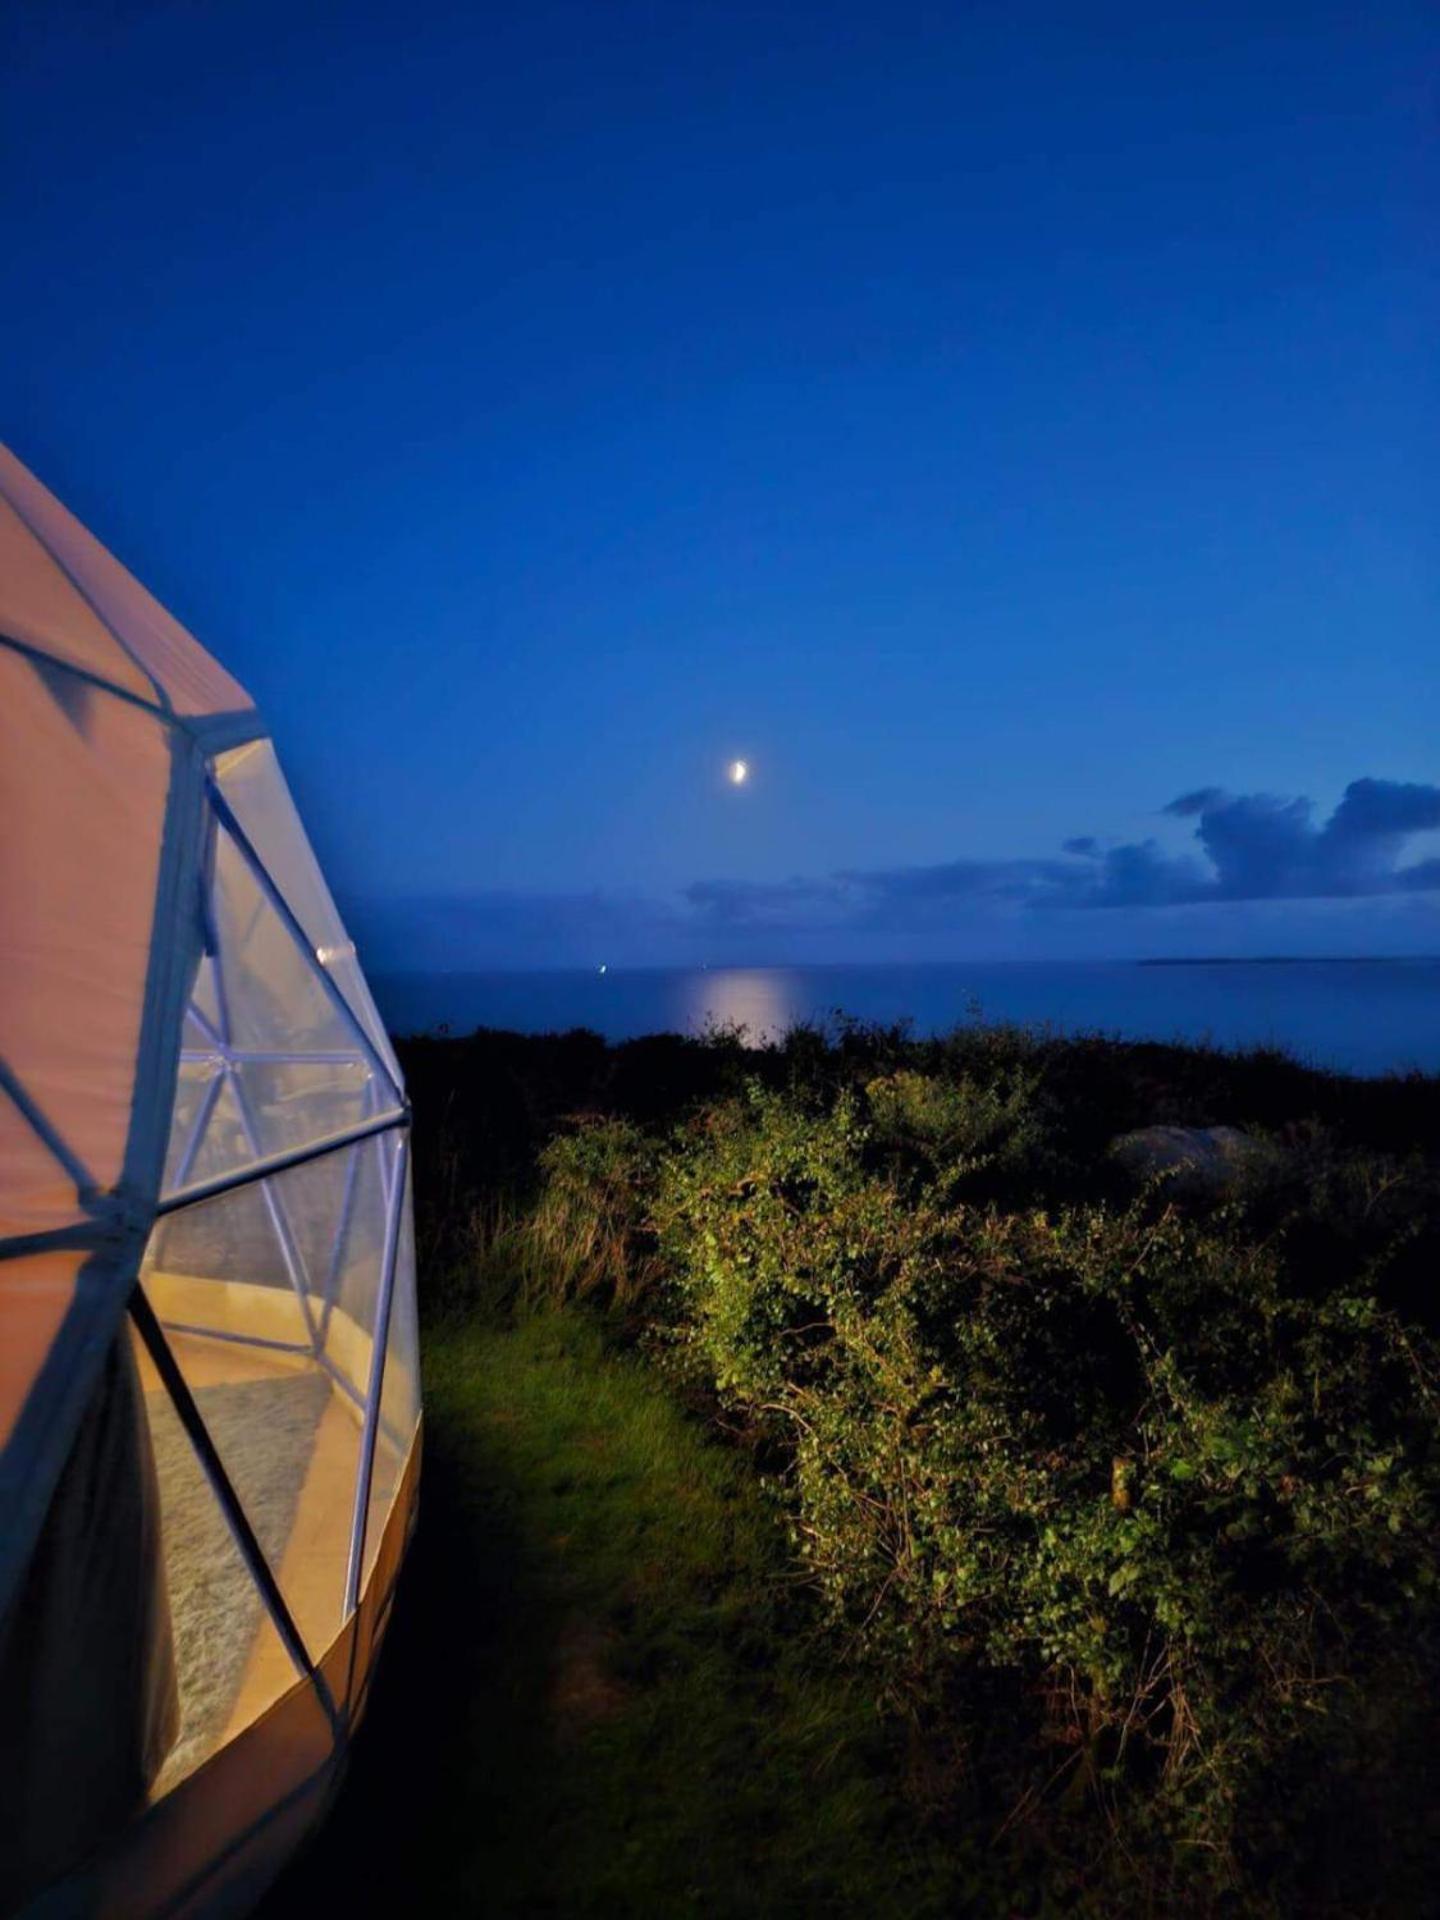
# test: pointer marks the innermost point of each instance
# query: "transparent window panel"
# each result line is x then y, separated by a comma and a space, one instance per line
199, 1083
202, 1022
239, 1282
254, 787
269, 1062
298, 1101
227, 1663
400, 1398
399, 1392
246, 1234
230, 1113
356, 1263
272, 1000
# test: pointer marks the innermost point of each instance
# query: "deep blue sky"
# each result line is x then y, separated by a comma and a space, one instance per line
994, 421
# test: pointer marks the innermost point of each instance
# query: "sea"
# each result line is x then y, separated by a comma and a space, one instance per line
1355, 1016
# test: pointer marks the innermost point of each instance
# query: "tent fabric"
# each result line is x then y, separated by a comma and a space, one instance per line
197, 1099
87, 1648
94, 790
185, 679
39, 607
83, 786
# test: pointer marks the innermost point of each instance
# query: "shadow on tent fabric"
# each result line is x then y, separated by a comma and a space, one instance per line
88, 1697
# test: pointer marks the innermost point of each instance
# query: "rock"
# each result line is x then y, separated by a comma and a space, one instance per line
1197, 1163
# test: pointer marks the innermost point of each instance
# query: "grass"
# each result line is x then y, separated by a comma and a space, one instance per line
600, 1695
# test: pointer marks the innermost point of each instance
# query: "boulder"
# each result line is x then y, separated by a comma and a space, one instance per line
1196, 1163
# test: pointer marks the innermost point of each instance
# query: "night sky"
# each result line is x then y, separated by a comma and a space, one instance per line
1011, 429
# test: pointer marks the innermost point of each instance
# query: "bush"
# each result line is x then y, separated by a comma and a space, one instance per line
1130, 1510
588, 1232
1121, 1477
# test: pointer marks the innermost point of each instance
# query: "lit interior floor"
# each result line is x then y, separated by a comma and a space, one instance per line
290, 1443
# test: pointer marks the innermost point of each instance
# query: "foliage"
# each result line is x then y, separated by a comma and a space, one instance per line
1126, 1507
588, 1222
1135, 1482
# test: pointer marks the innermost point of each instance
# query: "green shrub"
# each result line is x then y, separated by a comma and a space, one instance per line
1185, 1507
587, 1235
1131, 1512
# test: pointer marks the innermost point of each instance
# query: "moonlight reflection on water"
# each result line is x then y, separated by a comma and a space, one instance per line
761, 1000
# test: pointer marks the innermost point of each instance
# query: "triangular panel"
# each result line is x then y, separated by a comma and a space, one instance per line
200, 1084
399, 1412
273, 998
272, 1061
40, 607
150, 636
237, 1283
36, 1187
250, 779
203, 1019
227, 1663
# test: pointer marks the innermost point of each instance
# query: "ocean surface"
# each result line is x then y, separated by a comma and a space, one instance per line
1362, 1016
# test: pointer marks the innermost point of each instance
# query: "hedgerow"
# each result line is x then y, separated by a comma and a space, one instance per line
1131, 1510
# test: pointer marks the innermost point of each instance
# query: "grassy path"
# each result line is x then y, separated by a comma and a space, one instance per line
594, 1700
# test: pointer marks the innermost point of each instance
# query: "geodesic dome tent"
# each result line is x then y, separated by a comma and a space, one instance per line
209, 1395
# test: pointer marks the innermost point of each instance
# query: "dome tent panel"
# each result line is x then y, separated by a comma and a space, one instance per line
377, 1594
250, 778
206, 1129
37, 1294
273, 1061
41, 609
230, 1664
355, 1264
83, 792
398, 1418
186, 678
234, 1115
86, 1648
315, 1230
202, 1016
251, 1237
242, 1285
275, 1002
293, 1101
92, 784
39, 1176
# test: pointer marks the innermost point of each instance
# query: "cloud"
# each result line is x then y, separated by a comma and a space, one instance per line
1262, 847
754, 903
1254, 847
1196, 802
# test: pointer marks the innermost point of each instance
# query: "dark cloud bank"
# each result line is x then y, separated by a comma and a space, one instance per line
1247, 847
1253, 846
